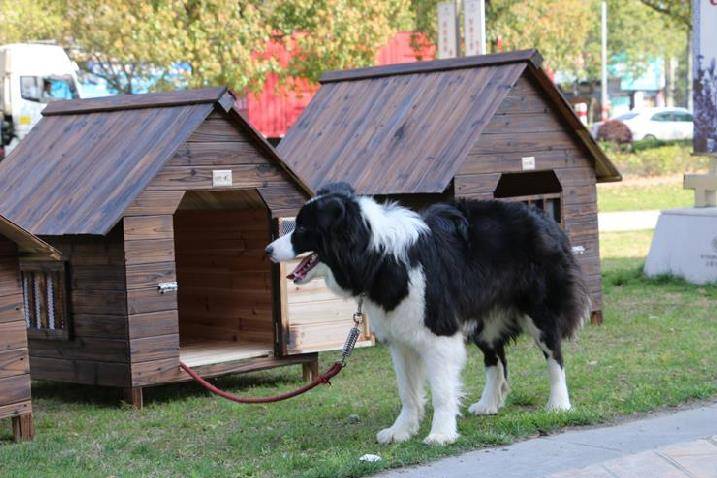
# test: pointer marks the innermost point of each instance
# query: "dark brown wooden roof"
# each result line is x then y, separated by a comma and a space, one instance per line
26, 242
84, 163
408, 128
128, 102
520, 56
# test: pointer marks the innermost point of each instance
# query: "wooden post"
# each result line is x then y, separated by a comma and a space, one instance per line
310, 369
23, 428
133, 396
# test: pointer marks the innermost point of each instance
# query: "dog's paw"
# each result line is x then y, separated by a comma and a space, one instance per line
483, 408
441, 439
392, 435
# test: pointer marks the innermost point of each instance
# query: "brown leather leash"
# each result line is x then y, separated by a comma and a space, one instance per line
325, 377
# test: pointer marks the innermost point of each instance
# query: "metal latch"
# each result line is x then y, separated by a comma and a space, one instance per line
164, 287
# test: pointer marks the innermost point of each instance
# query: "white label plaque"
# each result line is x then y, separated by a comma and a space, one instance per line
221, 177
528, 163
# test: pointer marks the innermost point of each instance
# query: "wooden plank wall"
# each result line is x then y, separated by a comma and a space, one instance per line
317, 318
153, 331
525, 125
97, 352
14, 364
219, 143
225, 278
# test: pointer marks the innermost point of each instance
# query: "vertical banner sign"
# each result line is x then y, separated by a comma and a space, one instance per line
447, 30
704, 91
474, 27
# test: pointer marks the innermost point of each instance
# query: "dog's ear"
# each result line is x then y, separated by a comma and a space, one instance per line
341, 188
333, 212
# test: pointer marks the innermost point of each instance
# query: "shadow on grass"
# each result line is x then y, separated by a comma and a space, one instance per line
111, 397
6, 437
271, 383
95, 395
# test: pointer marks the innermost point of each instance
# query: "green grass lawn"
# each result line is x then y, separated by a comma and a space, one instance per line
653, 176
655, 350
629, 196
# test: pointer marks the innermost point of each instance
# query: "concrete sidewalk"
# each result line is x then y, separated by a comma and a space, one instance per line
627, 220
681, 444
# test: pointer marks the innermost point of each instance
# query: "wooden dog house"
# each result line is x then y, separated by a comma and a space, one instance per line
162, 205
491, 126
16, 315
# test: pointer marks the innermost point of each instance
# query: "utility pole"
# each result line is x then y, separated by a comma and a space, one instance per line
604, 98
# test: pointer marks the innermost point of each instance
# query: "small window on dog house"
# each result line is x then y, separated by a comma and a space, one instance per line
539, 189
45, 299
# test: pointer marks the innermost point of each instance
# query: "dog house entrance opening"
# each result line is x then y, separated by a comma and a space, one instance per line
224, 298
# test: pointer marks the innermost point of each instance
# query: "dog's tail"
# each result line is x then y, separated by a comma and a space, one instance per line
577, 305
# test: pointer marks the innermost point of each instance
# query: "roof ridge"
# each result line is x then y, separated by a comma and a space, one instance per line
129, 102
519, 56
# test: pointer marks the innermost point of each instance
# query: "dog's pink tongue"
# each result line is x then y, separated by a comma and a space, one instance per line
298, 273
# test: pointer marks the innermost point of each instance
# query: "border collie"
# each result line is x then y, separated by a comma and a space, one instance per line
467, 270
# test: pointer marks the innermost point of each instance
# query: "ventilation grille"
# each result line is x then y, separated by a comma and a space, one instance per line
43, 300
286, 225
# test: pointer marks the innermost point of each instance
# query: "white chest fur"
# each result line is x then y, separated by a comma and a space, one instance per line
403, 325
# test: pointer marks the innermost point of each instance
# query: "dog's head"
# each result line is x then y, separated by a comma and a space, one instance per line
329, 228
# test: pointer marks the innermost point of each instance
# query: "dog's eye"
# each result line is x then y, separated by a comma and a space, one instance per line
301, 229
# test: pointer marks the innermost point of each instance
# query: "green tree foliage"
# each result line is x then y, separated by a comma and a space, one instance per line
223, 41
132, 42
182, 42
127, 41
636, 35
335, 34
22, 20
567, 33
677, 10
554, 27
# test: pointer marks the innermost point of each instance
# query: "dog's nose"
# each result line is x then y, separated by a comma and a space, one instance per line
269, 250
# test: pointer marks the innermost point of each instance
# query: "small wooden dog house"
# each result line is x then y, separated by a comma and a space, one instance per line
16, 315
162, 205
491, 126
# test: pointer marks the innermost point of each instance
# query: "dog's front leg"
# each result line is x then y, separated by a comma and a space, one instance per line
445, 359
411, 377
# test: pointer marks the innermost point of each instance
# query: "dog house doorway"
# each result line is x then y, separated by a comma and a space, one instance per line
539, 189
225, 301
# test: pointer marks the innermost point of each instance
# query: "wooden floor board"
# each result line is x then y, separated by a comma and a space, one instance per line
207, 352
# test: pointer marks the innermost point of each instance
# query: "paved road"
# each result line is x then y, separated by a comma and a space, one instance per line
682, 444
627, 220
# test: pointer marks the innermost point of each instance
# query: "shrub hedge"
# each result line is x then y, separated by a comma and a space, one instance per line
655, 158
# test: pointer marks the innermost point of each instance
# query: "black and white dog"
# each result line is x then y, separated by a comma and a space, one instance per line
480, 271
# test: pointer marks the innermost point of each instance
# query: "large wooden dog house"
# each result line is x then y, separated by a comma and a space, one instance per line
17, 247
491, 126
162, 205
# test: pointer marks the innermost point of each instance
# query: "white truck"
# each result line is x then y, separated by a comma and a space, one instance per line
31, 75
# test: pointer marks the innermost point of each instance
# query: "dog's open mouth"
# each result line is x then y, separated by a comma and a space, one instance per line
304, 267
